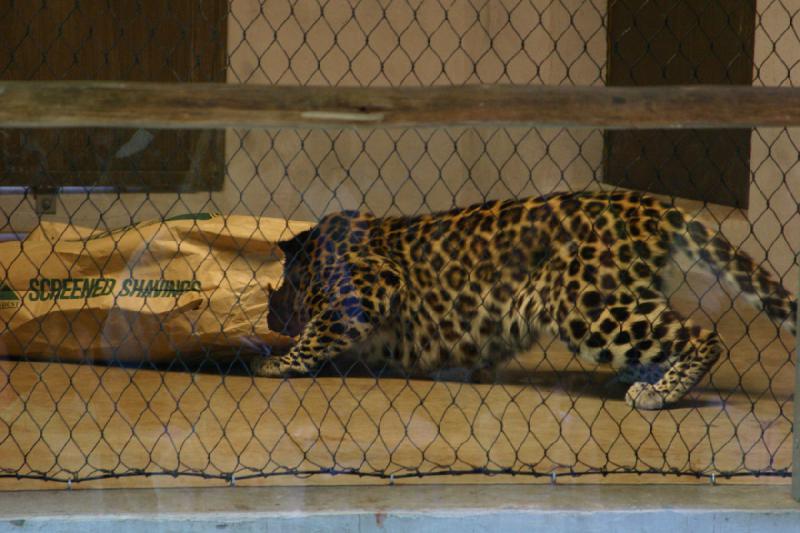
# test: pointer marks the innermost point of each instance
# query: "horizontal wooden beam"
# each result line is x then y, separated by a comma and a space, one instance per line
182, 106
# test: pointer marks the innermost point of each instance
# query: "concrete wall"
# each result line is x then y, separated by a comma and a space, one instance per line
775, 190
383, 44
453, 508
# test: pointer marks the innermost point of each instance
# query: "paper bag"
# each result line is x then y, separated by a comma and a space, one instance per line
190, 286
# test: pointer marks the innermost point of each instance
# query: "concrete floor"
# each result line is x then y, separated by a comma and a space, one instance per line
462, 508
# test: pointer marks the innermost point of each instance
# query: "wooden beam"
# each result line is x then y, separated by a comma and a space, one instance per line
200, 105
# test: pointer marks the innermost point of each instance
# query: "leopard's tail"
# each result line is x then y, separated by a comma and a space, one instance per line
754, 282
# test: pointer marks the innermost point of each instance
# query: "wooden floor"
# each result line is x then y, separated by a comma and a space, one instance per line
545, 414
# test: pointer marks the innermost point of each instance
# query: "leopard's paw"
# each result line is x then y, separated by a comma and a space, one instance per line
643, 395
275, 367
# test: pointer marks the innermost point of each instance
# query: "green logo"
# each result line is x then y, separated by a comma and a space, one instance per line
6, 293
188, 216
8, 298
191, 216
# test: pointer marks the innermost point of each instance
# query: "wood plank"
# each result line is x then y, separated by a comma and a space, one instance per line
198, 105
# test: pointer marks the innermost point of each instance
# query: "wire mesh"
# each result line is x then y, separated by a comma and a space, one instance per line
547, 413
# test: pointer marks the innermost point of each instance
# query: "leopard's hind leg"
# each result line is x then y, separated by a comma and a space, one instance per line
691, 354
642, 332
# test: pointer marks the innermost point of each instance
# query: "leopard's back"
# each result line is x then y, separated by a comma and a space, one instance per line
481, 282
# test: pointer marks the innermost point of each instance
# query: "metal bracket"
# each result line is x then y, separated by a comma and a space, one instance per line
796, 432
46, 200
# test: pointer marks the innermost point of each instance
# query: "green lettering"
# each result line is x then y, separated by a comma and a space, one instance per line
77, 292
33, 290
66, 287
56, 288
126, 287
138, 288
77, 287
89, 286
157, 287
149, 287
110, 283
45, 294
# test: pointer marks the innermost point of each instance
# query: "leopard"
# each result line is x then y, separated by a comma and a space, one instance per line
475, 286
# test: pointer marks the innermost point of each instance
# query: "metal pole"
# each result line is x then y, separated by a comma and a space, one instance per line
796, 429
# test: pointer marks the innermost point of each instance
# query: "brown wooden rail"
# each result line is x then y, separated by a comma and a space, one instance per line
173, 105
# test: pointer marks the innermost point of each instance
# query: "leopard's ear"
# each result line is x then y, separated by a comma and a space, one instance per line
293, 246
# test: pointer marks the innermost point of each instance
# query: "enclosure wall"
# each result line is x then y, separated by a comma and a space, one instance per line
304, 174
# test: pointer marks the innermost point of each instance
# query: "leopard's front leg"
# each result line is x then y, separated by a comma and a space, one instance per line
353, 309
325, 336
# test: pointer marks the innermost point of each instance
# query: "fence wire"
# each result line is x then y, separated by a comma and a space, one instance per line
198, 412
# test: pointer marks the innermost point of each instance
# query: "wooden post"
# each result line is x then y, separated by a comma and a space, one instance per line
209, 105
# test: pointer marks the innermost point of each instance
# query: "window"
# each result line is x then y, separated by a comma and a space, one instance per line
669, 42
123, 40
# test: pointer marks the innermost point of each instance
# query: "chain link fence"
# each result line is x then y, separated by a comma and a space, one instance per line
548, 414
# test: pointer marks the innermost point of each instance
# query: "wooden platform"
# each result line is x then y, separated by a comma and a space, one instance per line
546, 414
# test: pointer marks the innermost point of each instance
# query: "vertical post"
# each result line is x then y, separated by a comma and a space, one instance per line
796, 429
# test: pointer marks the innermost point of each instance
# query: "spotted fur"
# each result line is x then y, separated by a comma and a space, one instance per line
472, 287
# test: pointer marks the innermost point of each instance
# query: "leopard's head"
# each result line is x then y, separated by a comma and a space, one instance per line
287, 310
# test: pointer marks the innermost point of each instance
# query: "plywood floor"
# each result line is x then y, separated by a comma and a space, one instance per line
546, 413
